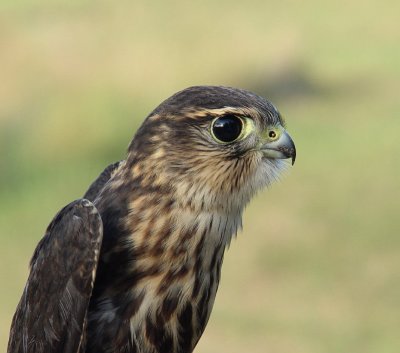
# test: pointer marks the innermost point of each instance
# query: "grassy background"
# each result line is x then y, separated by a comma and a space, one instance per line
317, 267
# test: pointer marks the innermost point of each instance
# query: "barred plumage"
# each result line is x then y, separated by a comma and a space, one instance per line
167, 213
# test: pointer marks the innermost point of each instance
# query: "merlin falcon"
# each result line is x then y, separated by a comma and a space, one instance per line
134, 266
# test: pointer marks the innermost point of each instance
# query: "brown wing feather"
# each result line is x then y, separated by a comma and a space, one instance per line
101, 180
51, 315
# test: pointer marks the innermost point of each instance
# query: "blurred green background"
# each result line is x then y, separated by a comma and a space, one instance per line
317, 267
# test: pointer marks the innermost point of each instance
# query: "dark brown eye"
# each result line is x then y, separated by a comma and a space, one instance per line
227, 128
272, 134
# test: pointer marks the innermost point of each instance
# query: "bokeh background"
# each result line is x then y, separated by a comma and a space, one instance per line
317, 267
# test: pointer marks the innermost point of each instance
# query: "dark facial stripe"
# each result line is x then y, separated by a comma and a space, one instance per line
198, 266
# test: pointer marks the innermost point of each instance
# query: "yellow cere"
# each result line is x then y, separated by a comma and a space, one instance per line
272, 133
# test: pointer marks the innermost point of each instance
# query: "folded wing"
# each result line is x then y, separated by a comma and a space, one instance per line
51, 315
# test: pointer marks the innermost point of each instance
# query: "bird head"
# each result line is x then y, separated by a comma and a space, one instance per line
214, 147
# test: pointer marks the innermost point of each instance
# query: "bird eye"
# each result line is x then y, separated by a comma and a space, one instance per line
227, 128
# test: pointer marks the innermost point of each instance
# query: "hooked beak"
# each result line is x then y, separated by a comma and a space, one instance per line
281, 148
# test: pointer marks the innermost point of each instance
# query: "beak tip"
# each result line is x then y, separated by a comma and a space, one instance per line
293, 158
